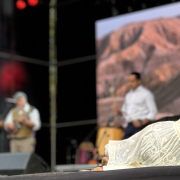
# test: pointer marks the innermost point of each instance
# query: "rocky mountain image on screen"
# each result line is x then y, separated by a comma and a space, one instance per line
151, 48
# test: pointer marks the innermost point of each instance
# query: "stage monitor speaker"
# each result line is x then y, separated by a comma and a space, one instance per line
22, 163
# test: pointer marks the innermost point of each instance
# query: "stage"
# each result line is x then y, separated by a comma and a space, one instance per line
150, 173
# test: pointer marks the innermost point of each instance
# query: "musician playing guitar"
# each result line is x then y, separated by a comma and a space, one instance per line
21, 122
139, 107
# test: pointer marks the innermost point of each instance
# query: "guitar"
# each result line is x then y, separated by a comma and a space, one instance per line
17, 126
12, 133
1, 124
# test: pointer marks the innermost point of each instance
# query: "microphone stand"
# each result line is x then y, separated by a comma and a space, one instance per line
97, 147
102, 137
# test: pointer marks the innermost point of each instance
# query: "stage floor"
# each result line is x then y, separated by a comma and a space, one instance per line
150, 173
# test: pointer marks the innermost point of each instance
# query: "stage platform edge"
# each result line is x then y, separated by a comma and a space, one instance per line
150, 173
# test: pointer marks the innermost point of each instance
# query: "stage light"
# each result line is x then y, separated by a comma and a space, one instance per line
20, 4
13, 75
33, 2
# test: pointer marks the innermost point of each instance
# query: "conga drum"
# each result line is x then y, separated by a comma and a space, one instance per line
112, 133
84, 152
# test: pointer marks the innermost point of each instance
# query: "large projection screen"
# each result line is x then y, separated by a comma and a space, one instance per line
148, 42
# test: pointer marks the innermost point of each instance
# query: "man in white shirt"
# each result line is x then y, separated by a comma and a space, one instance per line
21, 122
139, 107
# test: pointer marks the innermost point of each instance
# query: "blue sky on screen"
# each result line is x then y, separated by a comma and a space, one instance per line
105, 26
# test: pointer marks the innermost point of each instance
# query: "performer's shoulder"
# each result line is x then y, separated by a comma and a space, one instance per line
13, 109
32, 108
147, 91
128, 93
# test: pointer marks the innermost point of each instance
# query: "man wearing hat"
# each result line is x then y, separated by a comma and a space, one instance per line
21, 122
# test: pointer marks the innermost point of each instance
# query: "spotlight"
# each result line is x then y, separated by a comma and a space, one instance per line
20, 4
33, 2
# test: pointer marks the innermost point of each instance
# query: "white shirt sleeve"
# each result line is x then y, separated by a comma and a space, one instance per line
35, 118
123, 108
151, 105
8, 119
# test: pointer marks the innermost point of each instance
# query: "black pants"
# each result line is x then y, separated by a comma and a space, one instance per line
171, 118
131, 130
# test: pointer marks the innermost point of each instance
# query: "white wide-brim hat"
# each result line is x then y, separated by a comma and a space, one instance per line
19, 94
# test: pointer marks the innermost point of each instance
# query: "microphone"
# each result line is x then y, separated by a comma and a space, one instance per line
111, 118
11, 100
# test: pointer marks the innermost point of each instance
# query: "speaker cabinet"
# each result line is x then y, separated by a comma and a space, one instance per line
22, 163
